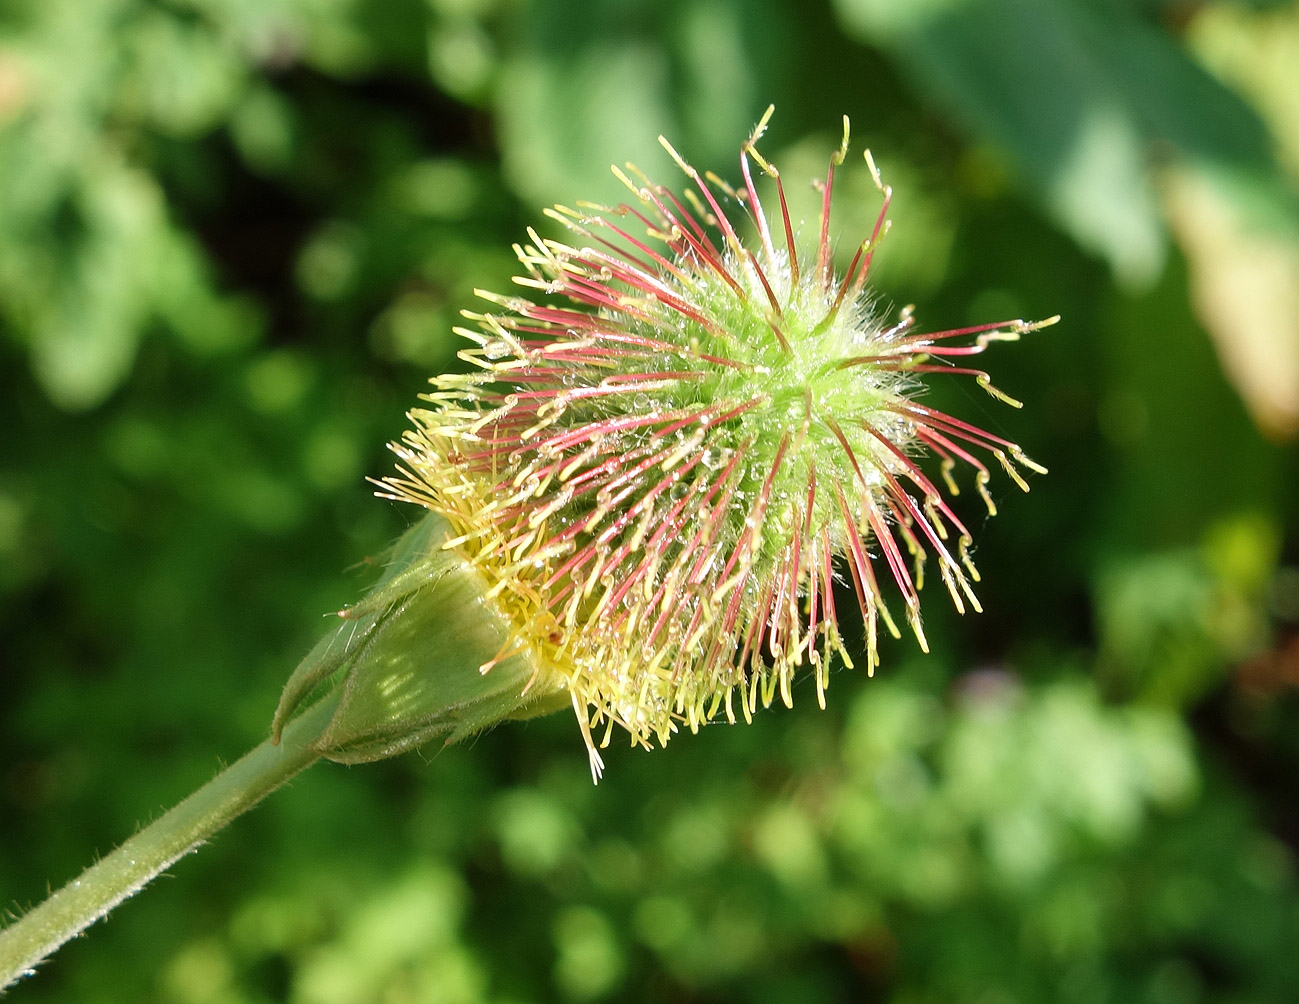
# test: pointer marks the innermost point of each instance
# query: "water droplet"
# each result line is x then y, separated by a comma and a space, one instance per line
640, 402
496, 348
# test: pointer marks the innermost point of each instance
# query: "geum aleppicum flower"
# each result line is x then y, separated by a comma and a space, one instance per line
662, 467
642, 501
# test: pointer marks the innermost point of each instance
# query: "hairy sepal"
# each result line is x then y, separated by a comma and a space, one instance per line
410, 659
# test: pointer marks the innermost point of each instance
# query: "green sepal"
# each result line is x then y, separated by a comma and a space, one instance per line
406, 568
326, 658
409, 660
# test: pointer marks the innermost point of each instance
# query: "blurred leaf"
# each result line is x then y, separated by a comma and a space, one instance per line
1241, 238
590, 961
1245, 287
1076, 97
569, 115
570, 103
1256, 49
1171, 624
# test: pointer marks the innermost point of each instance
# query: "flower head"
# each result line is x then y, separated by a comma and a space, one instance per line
663, 462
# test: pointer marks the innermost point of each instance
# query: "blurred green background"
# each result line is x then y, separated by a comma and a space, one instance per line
234, 235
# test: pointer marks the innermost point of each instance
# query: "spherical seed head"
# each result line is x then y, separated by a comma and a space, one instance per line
662, 464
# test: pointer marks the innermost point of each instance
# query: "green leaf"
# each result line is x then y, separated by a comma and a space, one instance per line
1079, 99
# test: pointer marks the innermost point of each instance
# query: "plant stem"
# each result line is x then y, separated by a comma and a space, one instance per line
86, 899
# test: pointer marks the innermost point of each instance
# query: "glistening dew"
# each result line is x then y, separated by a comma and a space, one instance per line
661, 465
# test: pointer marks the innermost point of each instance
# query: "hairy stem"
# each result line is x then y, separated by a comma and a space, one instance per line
86, 899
